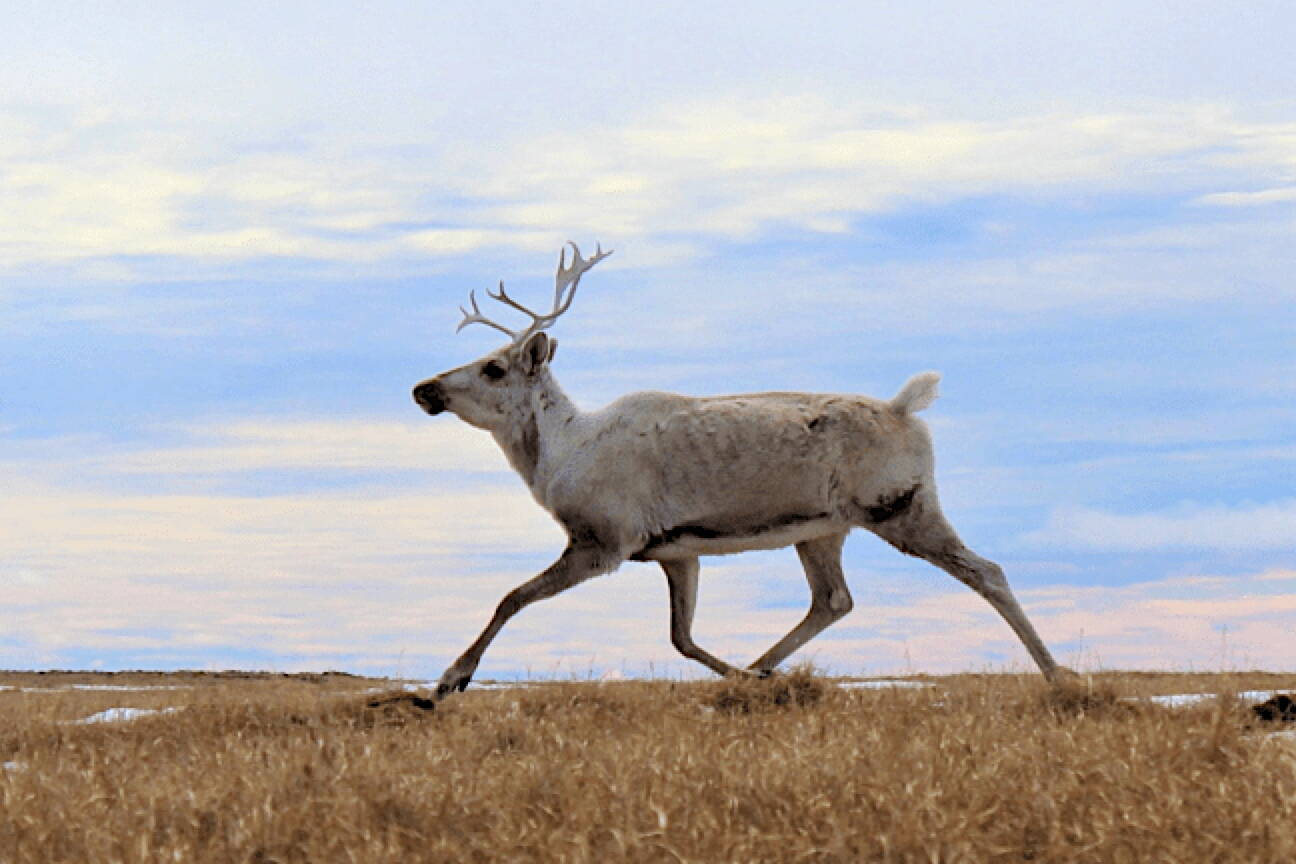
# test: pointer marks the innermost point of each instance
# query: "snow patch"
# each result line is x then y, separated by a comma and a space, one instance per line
113, 688
128, 688
498, 685
1181, 700
880, 684
122, 715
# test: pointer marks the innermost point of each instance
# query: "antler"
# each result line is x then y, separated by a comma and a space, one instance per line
567, 278
475, 317
565, 282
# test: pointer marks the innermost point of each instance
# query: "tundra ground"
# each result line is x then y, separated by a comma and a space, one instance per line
978, 768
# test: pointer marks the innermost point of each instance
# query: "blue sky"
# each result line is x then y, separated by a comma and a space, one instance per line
233, 240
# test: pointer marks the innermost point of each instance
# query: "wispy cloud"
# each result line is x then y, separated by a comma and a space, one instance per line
1278, 575
319, 445
1176, 623
1281, 195
77, 515
715, 167
733, 167
1191, 526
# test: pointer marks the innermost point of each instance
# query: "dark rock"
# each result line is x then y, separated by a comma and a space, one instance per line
1279, 709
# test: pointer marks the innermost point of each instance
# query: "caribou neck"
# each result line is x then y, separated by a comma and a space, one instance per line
547, 418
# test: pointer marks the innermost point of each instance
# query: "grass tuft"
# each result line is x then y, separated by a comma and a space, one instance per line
1083, 697
799, 688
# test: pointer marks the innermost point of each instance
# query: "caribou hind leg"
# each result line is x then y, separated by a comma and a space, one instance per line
829, 598
919, 528
682, 579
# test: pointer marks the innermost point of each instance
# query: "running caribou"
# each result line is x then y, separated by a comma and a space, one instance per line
667, 478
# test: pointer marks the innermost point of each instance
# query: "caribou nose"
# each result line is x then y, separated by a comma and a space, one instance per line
428, 396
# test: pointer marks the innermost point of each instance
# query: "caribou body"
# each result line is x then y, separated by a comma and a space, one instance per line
668, 478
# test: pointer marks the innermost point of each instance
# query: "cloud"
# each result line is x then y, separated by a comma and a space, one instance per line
160, 534
717, 167
307, 578
99, 554
318, 445
1203, 623
1281, 195
1278, 575
1216, 622
177, 194
1192, 526
732, 168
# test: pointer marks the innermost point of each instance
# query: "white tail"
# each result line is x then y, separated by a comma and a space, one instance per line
918, 392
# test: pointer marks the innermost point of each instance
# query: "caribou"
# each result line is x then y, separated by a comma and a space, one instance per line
668, 478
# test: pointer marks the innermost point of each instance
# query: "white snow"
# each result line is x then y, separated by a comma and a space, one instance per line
122, 715
485, 685
1181, 700
408, 687
129, 688
113, 688
879, 684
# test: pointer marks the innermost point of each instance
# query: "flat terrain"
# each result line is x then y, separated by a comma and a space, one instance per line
262, 768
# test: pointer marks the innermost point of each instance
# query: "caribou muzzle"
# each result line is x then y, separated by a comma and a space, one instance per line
428, 396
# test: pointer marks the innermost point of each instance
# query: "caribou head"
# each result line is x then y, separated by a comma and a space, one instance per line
493, 391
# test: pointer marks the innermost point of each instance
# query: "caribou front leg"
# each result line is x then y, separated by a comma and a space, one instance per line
576, 564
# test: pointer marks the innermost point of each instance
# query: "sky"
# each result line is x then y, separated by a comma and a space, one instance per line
234, 238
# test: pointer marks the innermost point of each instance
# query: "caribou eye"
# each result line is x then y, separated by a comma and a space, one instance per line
493, 371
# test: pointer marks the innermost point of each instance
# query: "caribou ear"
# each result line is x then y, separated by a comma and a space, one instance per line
553, 348
536, 352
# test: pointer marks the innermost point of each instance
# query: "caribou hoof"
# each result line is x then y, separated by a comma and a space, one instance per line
1064, 677
453, 681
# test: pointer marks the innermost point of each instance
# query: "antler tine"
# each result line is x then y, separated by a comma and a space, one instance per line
475, 317
567, 278
502, 296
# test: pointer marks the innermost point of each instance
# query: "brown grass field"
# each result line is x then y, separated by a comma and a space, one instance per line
262, 768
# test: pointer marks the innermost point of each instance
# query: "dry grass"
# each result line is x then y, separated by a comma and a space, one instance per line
976, 768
